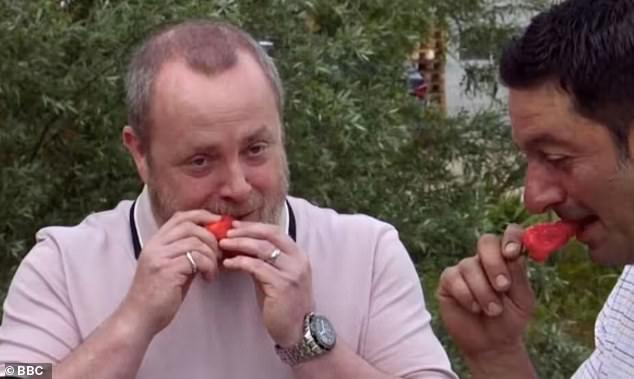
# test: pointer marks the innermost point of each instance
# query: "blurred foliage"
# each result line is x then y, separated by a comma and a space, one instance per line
357, 142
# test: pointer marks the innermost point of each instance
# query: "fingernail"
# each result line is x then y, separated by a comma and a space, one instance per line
475, 308
494, 309
501, 281
511, 248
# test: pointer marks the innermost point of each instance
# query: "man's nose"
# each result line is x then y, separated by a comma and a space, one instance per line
542, 189
235, 187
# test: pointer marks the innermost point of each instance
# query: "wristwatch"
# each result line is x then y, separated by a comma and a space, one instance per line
319, 338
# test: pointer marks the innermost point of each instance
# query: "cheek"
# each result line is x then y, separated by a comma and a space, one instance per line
186, 191
266, 178
585, 184
264, 181
618, 192
608, 195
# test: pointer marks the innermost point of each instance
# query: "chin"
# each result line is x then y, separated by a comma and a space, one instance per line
606, 255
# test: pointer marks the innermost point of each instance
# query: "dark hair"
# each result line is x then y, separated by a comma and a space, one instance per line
206, 46
587, 48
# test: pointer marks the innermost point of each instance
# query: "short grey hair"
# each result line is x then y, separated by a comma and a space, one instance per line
209, 47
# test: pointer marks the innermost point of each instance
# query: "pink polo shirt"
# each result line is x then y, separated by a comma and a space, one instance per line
363, 280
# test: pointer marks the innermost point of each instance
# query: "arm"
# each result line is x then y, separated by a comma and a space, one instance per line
114, 350
341, 362
398, 338
38, 325
39, 322
486, 302
512, 364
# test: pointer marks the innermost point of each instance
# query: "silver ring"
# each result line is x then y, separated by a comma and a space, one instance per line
192, 262
274, 254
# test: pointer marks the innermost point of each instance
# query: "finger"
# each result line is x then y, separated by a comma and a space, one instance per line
476, 280
187, 244
256, 248
512, 241
186, 229
493, 263
521, 293
196, 216
263, 272
269, 232
203, 265
452, 286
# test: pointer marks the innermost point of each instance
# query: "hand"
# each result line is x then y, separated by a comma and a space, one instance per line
284, 286
486, 300
164, 273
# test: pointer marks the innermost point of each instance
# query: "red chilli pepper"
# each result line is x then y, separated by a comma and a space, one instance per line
542, 240
220, 228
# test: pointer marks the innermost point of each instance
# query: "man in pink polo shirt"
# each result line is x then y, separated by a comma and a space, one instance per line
144, 290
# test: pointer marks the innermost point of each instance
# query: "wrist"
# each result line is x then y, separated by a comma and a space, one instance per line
319, 337
511, 362
129, 324
293, 337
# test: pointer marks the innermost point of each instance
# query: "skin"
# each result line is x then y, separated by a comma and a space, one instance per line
573, 169
215, 147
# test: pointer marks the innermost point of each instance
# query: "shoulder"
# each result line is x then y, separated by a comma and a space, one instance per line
314, 217
619, 304
94, 233
357, 240
623, 291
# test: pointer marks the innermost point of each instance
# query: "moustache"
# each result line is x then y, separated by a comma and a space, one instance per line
233, 209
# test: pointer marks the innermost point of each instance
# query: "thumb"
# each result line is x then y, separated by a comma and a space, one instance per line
520, 292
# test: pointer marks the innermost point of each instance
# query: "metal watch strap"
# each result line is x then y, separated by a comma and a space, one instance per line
304, 350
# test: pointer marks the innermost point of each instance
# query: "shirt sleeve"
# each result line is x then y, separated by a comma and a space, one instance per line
38, 325
399, 338
614, 330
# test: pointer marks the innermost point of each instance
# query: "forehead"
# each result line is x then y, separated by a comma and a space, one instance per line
188, 102
546, 114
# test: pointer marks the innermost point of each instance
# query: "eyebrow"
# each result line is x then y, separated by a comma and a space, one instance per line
260, 133
545, 139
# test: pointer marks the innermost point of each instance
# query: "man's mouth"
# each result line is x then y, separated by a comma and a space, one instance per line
583, 225
243, 216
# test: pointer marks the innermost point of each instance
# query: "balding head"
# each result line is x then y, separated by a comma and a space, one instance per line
207, 47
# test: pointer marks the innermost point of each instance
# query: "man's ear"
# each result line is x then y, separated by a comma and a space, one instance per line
138, 150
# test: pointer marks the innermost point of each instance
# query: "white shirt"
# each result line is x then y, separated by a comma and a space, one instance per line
613, 356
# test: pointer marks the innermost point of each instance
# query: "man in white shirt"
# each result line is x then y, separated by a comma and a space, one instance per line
571, 101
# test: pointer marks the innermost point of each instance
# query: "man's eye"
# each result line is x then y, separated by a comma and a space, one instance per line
554, 158
257, 149
199, 162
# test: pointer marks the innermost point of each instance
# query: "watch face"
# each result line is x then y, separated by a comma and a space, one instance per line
323, 332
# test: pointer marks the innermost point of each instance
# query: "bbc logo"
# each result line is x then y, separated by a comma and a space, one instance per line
26, 370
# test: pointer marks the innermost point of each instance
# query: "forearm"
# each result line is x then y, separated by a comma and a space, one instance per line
341, 362
114, 350
514, 364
